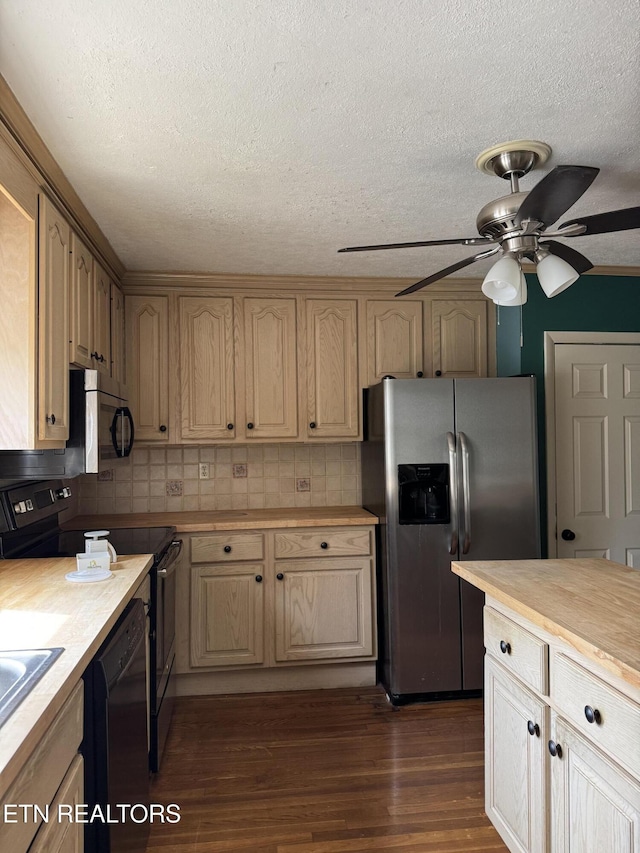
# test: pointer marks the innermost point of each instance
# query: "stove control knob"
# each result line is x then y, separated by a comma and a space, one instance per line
29, 504
65, 492
19, 507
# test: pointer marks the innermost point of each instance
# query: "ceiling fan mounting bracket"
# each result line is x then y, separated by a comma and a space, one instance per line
515, 158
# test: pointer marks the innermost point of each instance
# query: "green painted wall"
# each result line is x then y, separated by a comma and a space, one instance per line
594, 303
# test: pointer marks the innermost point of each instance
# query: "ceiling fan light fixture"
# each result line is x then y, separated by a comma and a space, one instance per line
519, 299
554, 274
502, 283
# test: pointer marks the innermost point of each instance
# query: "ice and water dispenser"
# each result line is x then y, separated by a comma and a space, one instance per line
423, 492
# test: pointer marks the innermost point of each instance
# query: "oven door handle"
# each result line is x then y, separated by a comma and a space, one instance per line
168, 563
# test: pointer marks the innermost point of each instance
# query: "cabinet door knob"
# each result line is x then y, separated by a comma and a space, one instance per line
533, 728
505, 647
438, 373
94, 355
249, 425
163, 428
555, 749
229, 426
324, 545
227, 549
51, 419
568, 535
419, 374
592, 715
258, 578
280, 576
312, 425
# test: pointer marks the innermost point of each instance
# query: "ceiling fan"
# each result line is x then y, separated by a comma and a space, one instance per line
515, 226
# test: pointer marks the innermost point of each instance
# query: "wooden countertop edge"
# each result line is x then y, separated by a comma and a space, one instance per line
201, 521
609, 661
46, 699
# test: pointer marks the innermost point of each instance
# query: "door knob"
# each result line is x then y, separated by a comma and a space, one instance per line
568, 535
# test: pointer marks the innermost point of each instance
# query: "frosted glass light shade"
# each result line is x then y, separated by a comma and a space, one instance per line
555, 275
521, 296
502, 282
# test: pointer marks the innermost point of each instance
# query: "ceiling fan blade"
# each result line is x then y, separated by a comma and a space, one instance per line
462, 241
573, 258
603, 223
447, 271
556, 193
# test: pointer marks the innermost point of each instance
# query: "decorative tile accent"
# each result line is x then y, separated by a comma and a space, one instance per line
105, 476
239, 470
303, 485
174, 488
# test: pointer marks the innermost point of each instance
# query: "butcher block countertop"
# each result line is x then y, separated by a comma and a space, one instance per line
249, 519
594, 605
39, 608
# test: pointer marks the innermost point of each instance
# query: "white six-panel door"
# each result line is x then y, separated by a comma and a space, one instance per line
597, 451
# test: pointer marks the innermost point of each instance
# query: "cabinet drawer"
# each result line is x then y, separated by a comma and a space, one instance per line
227, 547
576, 692
323, 543
44, 770
524, 654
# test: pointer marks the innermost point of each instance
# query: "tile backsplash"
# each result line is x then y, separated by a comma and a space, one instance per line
159, 479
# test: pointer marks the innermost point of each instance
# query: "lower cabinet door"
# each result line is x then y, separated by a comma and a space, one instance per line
227, 615
323, 609
595, 804
516, 725
62, 833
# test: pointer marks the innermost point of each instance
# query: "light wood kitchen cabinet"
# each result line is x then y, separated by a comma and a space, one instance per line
147, 357
394, 340
275, 598
572, 783
516, 734
270, 368
117, 334
52, 773
331, 375
82, 292
595, 804
101, 320
459, 346
207, 368
53, 321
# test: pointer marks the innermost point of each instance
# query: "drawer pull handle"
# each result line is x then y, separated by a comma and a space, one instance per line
258, 578
555, 749
505, 647
592, 715
324, 545
280, 576
533, 728
227, 549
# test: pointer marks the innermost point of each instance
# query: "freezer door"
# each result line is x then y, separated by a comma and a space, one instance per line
420, 604
497, 451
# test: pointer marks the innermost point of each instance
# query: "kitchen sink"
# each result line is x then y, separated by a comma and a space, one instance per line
19, 672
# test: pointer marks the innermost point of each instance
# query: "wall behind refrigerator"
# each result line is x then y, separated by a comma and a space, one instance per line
595, 303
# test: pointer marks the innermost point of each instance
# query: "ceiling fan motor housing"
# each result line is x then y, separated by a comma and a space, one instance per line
497, 218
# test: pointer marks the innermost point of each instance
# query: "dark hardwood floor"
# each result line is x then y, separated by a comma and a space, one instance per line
331, 771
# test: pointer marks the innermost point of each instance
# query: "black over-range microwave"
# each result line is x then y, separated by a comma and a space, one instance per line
101, 432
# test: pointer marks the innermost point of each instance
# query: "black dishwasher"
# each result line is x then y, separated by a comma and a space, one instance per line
115, 739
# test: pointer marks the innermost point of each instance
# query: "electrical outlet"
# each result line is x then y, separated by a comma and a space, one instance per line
203, 470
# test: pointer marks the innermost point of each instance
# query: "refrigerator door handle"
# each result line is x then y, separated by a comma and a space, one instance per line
466, 493
453, 480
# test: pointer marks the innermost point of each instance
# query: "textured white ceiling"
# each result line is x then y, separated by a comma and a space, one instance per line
259, 136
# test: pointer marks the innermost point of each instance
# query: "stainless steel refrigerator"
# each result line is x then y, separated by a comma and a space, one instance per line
450, 467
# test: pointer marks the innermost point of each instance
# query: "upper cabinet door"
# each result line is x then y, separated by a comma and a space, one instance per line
333, 393
53, 324
271, 388
81, 341
459, 337
147, 323
394, 340
102, 320
207, 368
117, 333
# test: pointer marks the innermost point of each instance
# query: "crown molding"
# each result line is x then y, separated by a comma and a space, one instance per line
20, 134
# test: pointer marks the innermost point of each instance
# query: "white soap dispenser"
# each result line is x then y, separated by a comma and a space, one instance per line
95, 544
